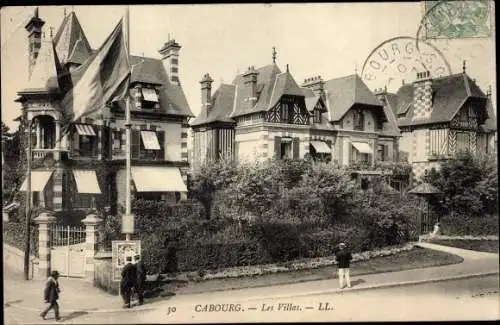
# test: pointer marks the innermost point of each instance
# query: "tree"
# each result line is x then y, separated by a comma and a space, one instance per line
210, 178
469, 184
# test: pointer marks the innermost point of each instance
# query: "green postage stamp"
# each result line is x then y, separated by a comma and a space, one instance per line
457, 19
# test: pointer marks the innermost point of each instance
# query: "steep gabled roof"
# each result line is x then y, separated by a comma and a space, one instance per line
171, 96
449, 94
222, 105
45, 75
343, 93
80, 53
265, 83
390, 128
284, 85
68, 35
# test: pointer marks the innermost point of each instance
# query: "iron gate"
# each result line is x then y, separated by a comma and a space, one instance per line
67, 250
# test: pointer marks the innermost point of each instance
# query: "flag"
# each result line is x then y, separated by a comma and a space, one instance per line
103, 79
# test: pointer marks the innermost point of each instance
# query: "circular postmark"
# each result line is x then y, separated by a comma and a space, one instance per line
398, 60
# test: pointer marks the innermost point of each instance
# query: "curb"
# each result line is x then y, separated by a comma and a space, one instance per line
384, 285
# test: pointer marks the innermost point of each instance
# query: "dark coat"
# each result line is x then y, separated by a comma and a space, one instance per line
129, 275
51, 292
141, 273
344, 258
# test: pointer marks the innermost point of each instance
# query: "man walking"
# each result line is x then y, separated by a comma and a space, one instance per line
129, 278
344, 258
141, 278
51, 294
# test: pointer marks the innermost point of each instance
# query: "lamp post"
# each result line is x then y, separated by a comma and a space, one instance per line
27, 235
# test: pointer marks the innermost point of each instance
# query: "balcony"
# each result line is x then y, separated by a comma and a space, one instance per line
38, 155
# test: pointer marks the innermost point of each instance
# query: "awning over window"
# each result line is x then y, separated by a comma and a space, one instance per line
362, 147
85, 129
38, 181
86, 181
321, 147
158, 179
150, 95
150, 140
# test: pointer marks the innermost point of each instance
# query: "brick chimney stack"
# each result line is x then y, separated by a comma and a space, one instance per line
316, 84
206, 92
251, 84
170, 57
34, 28
422, 96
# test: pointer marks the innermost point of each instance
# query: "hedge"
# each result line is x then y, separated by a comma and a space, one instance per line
14, 232
457, 225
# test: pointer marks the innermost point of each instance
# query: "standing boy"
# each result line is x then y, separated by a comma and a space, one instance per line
51, 294
344, 258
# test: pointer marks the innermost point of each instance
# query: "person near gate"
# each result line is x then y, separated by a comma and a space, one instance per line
128, 282
344, 258
141, 278
51, 294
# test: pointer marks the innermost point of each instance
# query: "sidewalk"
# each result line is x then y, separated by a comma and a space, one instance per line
81, 296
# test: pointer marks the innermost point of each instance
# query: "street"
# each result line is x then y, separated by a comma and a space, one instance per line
466, 299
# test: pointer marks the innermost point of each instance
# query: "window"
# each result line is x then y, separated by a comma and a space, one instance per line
358, 120
381, 152
284, 112
317, 116
144, 141
85, 141
286, 150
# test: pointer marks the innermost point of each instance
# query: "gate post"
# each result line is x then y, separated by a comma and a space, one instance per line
91, 223
44, 220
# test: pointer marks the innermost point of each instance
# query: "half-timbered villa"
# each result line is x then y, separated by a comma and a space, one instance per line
439, 117
86, 169
264, 113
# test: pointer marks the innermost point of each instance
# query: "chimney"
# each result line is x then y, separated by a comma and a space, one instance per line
380, 94
316, 84
250, 78
422, 96
170, 57
206, 92
34, 28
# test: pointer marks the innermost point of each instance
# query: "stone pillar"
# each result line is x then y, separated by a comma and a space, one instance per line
91, 223
44, 220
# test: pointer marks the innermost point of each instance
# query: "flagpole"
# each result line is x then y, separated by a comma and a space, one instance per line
128, 168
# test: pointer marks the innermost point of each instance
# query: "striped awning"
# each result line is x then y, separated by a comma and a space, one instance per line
150, 140
362, 147
321, 147
86, 181
39, 180
158, 179
150, 95
85, 129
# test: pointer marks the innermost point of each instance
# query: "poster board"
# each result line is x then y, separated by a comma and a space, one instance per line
120, 250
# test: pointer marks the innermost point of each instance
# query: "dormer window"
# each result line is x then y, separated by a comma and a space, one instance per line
150, 98
358, 120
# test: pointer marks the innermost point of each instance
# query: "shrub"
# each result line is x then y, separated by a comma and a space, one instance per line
458, 225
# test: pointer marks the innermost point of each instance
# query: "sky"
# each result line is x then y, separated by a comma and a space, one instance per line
331, 40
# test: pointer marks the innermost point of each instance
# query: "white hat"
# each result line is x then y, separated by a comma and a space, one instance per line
342, 245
